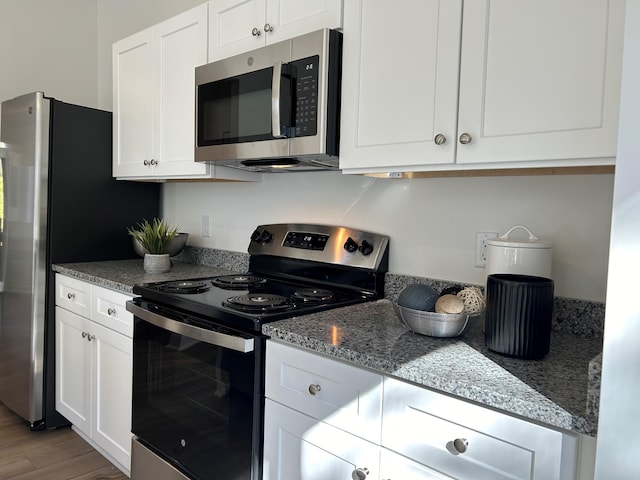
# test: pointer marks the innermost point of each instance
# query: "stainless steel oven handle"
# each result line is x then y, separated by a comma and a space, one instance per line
220, 339
275, 101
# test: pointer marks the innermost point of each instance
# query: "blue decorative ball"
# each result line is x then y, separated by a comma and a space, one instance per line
418, 297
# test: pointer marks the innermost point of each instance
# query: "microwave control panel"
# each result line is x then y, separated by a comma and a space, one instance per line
306, 96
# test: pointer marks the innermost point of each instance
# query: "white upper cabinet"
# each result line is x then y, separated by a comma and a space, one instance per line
154, 101
238, 26
400, 82
504, 84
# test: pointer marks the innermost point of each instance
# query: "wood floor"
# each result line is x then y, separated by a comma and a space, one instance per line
49, 455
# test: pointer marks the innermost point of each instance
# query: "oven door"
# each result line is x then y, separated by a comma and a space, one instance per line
198, 395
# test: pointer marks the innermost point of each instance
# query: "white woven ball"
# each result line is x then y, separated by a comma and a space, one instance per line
474, 303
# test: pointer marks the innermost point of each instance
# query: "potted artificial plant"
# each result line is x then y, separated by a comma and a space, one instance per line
154, 237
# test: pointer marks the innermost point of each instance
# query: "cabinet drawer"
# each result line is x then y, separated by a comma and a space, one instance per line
73, 295
463, 440
109, 310
339, 394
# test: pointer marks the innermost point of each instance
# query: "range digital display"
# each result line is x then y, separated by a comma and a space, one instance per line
306, 241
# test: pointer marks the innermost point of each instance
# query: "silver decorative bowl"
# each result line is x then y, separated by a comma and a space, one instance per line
175, 247
431, 323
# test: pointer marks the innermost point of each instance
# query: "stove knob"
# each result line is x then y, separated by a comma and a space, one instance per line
255, 236
366, 248
266, 236
350, 245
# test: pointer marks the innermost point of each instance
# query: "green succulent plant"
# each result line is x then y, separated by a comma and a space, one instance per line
155, 237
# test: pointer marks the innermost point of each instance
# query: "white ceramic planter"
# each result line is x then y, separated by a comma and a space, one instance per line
156, 263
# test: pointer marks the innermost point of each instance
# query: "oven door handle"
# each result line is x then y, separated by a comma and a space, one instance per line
218, 338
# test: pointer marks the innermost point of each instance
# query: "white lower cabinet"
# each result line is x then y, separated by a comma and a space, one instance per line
300, 447
94, 369
418, 434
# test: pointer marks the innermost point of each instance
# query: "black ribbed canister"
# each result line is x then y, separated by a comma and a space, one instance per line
518, 315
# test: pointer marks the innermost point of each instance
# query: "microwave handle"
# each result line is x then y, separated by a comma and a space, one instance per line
275, 101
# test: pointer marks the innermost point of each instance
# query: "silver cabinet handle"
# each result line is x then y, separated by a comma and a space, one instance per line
84, 334
440, 139
268, 27
255, 32
314, 389
71, 296
111, 311
360, 473
146, 162
460, 445
153, 162
90, 337
465, 138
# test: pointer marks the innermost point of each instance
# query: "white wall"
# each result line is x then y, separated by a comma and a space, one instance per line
64, 48
431, 222
51, 47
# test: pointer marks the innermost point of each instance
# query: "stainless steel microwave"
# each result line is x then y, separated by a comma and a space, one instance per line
276, 108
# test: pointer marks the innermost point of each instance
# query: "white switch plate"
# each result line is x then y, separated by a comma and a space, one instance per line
481, 247
206, 232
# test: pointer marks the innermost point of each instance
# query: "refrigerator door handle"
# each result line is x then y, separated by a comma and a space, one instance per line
3, 209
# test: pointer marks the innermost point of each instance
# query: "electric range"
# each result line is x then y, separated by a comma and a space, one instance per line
198, 359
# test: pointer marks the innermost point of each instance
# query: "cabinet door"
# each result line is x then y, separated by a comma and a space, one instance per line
180, 44
231, 27
132, 105
290, 18
112, 384
297, 446
73, 295
400, 83
73, 369
540, 80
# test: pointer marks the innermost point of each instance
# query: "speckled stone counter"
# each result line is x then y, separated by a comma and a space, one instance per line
552, 391
122, 275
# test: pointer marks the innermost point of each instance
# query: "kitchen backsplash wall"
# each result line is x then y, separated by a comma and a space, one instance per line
432, 222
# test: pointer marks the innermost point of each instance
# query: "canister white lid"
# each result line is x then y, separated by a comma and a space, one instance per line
504, 240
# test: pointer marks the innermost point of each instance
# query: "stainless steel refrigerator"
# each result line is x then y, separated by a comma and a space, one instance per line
59, 204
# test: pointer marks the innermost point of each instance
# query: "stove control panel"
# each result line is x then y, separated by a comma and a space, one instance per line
322, 243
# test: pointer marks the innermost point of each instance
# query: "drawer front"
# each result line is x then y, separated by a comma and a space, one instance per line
466, 441
339, 394
109, 310
73, 295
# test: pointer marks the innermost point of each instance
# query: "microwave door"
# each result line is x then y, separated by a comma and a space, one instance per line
240, 117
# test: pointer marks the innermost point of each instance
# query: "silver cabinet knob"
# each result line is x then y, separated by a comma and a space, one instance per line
71, 296
153, 161
268, 27
111, 311
460, 445
90, 337
255, 32
84, 334
314, 389
146, 162
360, 473
465, 138
439, 139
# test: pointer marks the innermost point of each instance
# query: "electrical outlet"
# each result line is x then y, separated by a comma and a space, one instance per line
481, 247
205, 226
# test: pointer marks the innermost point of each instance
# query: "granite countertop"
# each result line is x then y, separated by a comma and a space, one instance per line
122, 275
562, 390
553, 391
